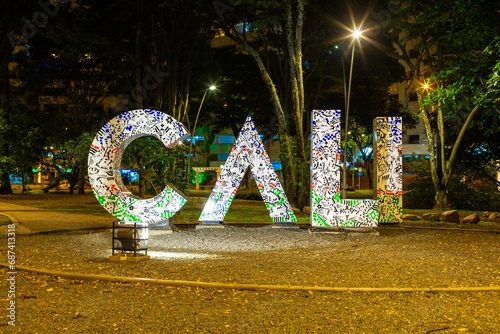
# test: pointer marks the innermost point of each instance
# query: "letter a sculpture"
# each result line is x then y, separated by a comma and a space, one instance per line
248, 151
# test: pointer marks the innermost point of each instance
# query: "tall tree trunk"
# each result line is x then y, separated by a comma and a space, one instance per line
294, 42
442, 168
23, 183
295, 165
441, 198
369, 174
142, 184
286, 158
433, 160
286, 153
73, 179
81, 178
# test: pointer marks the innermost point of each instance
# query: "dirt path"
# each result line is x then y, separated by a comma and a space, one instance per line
394, 259
32, 220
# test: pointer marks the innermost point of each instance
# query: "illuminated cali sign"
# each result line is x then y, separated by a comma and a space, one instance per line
327, 209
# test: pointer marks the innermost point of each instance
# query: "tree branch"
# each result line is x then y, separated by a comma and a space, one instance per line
454, 151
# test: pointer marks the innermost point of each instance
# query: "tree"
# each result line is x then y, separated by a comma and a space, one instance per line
76, 70
75, 155
181, 44
14, 30
74, 73
239, 93
7, 162
262, 32
27, 152
155, 164
453, 68
164, 45
327, 54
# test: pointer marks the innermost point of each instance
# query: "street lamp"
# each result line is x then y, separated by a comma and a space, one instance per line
194, 131
425, 85
198, 114
355, 35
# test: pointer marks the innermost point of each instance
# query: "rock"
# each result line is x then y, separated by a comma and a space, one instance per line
494, 215
450, 216
432, 216
471, 219
486, 214
296, 211
306, 210
411, 217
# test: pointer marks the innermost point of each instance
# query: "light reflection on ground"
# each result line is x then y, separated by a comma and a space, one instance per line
178, 255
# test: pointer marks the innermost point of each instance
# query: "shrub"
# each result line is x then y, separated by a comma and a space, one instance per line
252, 194
473, 194
476, 192
419, 193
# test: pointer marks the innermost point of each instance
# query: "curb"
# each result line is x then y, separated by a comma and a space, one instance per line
20, 229
449, 229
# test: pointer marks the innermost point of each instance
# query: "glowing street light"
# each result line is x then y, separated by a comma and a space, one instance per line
193, 133
199, 109
425, 86
355, 35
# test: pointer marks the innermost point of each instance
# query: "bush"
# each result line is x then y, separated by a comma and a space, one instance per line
419, 193
472, 192
252, 194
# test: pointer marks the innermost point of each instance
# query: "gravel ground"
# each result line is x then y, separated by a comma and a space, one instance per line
263, 255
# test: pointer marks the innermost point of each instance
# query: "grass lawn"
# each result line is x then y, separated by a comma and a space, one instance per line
240, 211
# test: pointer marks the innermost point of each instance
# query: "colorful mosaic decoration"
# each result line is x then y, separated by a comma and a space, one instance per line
389, 168
105, 164
248, 151
327, 207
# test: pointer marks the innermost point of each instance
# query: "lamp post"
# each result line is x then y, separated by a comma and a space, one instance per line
356, 34
194, 132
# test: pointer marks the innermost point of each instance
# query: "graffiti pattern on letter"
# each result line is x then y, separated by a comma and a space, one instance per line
248, 151
105, 163
389, 168
327, 207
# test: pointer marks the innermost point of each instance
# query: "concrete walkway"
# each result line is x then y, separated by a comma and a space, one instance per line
30, 220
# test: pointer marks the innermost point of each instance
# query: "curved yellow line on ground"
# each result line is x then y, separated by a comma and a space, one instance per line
180, 283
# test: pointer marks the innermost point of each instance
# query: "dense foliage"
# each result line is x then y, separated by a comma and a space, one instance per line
91, 61
468, 190
452, 66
